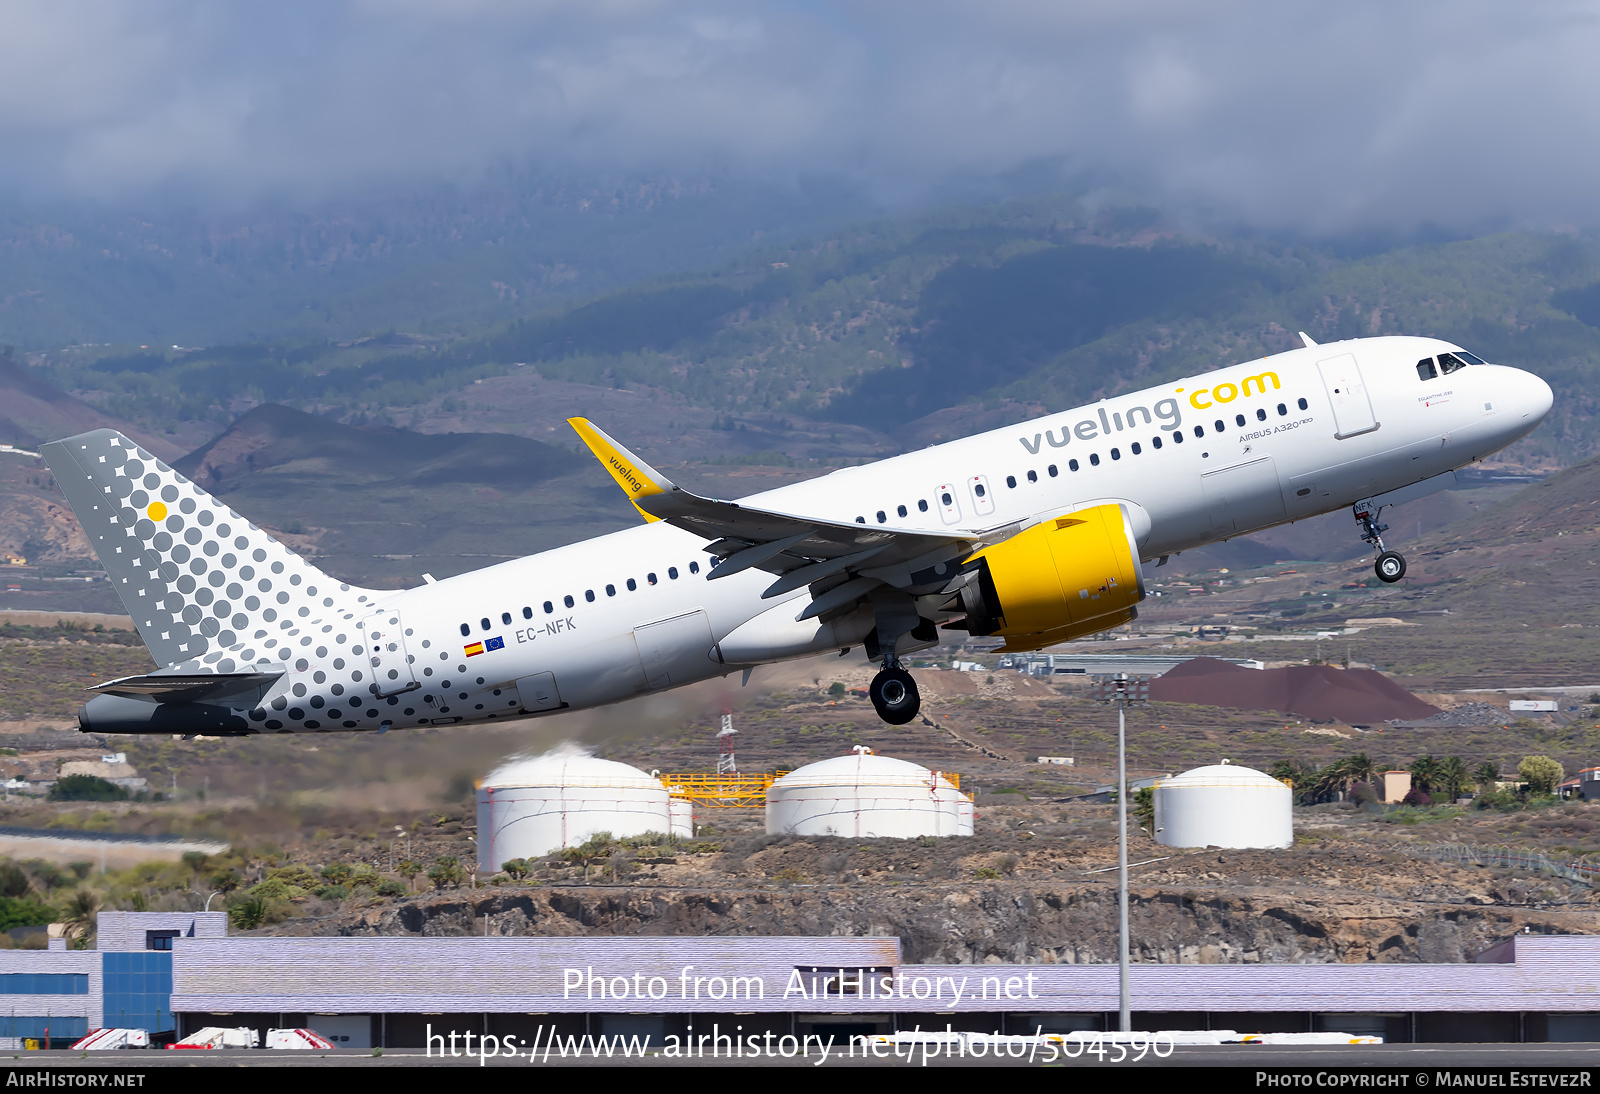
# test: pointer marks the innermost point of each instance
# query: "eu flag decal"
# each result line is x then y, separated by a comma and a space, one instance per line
495, 644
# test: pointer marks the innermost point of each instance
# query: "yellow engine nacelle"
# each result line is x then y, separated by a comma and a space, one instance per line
1061, 579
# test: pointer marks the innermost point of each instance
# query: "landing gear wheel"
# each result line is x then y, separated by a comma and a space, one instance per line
1390, 567
894, 696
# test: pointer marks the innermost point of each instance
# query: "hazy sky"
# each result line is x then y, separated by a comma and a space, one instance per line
1317, 115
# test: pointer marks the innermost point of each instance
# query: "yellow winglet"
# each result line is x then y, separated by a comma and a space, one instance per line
637, 478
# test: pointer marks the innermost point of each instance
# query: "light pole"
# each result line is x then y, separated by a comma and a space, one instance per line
1122, 689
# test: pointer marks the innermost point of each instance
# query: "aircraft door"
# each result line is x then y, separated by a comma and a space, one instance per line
387, 654
1347, 391
1244, 497
982, 496
675, 651
949, 507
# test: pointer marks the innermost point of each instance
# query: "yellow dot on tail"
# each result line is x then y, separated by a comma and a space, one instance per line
157, 511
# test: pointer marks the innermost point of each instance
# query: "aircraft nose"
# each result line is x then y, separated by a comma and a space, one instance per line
1535, 398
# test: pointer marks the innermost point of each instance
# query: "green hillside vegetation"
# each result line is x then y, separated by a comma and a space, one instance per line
355, 498
1023, 307
474, 255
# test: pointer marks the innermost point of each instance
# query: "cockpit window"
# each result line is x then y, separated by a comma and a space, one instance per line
1425, 369
1470, 358
1449, 362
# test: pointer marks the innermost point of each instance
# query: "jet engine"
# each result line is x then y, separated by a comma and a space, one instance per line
1063, 578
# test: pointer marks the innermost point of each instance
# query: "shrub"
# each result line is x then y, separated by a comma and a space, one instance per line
447, 871
87, 788
23, 913
249, 912
1541, 773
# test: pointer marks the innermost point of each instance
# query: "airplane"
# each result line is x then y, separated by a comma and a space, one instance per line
1035, 533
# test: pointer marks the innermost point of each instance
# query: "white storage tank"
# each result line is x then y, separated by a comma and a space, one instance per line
531, 807
864, 795
681, 811
1224, 805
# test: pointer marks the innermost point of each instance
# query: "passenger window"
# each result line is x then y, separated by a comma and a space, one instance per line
1136, 448
1072, 464
484, 622
1116, 453
694, 567
632, 585
861, 520
1094, 459
1282, 410
567, 600
1261, 413
505, 619
1219, 425
611, 590
881, 518
588, 595
672, 572
466, 629
651, 578
945, 498
901, 510
1199, 431
922, 505
1177, 436
1052, 470
1033, 476
1304, 405
1425, 369
1449, 362
549, 608
1155, 442
1238, 419
1011, 481
979, 490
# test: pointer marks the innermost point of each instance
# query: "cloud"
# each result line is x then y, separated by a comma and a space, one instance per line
1319, 116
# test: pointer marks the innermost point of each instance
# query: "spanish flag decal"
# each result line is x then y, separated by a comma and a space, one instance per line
473, 650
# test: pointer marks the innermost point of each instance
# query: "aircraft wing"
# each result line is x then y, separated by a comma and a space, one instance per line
800, 549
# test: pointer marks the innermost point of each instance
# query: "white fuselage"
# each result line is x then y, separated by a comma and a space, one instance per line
1263, 443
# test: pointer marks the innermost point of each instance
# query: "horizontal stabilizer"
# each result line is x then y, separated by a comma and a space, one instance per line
191, 688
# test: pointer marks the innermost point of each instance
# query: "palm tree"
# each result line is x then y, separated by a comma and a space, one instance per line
79, 915
1453, 776
1486, 775
1363, 768
1424, 773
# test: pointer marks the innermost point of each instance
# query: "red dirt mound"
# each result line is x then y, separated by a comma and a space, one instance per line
1321, 693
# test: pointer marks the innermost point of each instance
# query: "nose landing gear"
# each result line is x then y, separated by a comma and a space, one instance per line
1390, 566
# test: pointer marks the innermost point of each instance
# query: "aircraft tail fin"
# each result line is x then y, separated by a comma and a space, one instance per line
637, 478
207, 589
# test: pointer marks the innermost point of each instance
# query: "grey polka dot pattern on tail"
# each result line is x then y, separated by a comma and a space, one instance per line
208, 591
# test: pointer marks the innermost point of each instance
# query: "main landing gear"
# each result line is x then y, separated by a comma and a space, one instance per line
1390, 565
894, 694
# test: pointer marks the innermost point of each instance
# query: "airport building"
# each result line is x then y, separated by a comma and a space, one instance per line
174, 974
